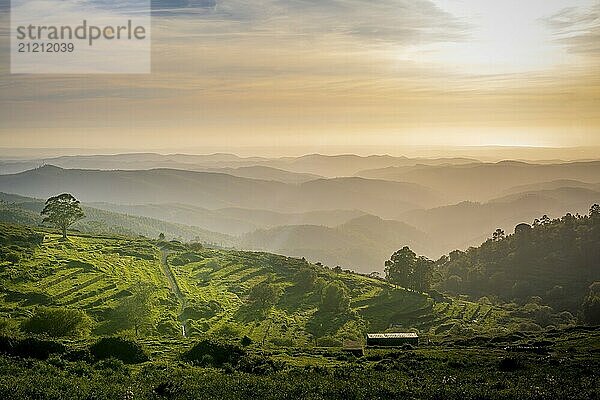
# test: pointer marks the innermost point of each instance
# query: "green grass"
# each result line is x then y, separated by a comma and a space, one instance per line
94, 273
468, 350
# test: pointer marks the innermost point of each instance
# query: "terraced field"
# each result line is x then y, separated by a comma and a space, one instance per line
206, 290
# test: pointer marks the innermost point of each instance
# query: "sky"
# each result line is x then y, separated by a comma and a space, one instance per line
342, 74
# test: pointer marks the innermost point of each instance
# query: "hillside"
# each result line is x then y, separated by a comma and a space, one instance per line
466, 224
362, 244
26, 211
217, 190
550, 185
210, 290
267, 174
231, 221
555, 260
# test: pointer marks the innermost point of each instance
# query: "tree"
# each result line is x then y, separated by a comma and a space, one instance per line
591, 305
335, 298
264, 294
398, 268
595, 211
62, 211
406, 269
498, 235
421, 279
305, 278
136, 310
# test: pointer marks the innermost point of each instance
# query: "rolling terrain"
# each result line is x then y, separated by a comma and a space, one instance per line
362, 244
96, 274
217, 190
484, 181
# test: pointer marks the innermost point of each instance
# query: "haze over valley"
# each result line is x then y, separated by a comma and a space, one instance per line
347, 210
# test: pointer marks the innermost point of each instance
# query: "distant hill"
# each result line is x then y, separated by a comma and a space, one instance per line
216, 190
26, 211
362, 244
267, 174
559, 200
315, 164
550, 185
467, 224
231, 221
481, 182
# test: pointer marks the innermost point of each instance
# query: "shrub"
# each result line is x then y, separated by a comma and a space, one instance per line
58, 322
7, 326
529, 327
509, 364
306, 278
32, 347
328, 341
127, 350
228, 330
335, 298
264, 295
185, 258
259, 364
214, 352
246, 341
168, 327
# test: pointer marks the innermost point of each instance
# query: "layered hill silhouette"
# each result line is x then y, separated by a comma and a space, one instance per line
362, 244
259, 167
484, 181
217, 190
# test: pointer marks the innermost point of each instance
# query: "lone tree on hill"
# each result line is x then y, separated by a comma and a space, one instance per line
62, 211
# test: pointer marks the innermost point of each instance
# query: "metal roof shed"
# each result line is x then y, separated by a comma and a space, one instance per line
392, 339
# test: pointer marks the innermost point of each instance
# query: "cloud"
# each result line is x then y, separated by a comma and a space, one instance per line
577, 28
399, 21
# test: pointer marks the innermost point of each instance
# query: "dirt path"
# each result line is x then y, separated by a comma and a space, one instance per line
174, 286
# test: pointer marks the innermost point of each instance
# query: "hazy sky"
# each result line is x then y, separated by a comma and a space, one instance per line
330, 72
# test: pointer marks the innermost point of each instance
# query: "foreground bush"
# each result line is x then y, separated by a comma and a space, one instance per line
211, 352
127, 350
30, 347
58, 322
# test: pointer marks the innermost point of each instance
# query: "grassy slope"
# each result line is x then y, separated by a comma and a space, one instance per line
94, 273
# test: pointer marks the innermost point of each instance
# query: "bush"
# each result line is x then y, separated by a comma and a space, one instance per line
127, 350
509, 364
328, 341
335, 298
7, 326
306, 278
185, 258
259, 364
246, 341
214, 353
58, 322
264, 295
529, 327
30, 347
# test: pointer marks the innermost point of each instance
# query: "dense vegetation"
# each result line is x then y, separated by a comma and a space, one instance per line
553, 365
105, 317
553, 261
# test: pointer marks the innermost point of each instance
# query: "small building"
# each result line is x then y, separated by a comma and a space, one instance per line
392, 339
